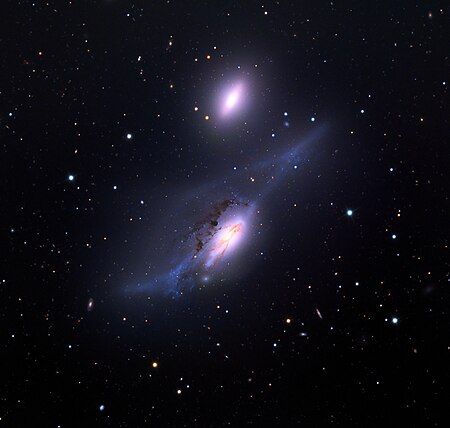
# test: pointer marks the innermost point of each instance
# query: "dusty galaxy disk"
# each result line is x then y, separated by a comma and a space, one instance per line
208, 249
220, 233
203, 236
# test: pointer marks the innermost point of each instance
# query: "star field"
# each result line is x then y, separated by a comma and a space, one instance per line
224, 214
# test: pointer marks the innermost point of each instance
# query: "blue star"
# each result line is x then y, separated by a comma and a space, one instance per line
349, 213
71, 177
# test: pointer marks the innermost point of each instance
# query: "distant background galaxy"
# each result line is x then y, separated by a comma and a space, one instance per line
224, 214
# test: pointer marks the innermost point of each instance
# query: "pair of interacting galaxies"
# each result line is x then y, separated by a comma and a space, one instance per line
218, 221
224, 214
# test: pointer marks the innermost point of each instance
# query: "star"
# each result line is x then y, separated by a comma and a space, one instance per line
71, 177
349, 213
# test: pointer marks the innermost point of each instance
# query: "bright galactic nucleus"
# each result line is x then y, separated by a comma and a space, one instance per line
232, 100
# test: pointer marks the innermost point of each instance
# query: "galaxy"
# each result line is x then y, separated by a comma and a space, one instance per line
217, 222
232, 100
224, 214
204, 248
